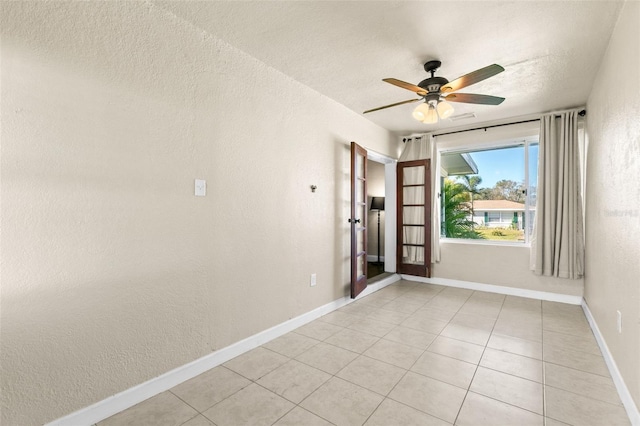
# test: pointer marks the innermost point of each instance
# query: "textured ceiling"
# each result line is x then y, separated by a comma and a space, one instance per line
551, 50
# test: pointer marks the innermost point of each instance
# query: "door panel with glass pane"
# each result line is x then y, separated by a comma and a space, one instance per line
414, 218
358, 219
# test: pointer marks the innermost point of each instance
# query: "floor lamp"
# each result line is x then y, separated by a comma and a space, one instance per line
377, 203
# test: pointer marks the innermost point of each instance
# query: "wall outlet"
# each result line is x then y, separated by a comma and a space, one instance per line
313, 280
619, 322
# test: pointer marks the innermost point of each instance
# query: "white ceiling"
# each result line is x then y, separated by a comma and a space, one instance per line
551, 50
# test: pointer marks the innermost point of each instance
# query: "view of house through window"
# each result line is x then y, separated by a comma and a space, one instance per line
489, 194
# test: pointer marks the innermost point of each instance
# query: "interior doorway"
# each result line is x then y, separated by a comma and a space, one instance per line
376, 197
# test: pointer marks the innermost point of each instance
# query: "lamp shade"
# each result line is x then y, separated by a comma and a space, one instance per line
432, 116
421, 111
444, 109
377, 203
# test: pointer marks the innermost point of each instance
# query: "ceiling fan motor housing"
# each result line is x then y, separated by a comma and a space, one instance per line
433, 84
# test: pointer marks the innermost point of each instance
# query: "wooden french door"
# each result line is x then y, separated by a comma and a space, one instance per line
358, 219
414, 218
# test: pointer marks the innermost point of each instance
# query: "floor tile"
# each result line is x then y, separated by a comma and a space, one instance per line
466, 334
457, 292
392, 292
474, 321
516, 365
342, 403
522, 304
516, 346
294, 380
340, 319
527, 317
377, 376
447, 302
585, 384
561, 325
301, 417
523, 330
431, 396
433, 312
481, 410
456, 349
210, 387
425, 324
480, 308
564, 309
576, 409
327, 358
403, 304
318, 330
357, 308
445, 369
253, 405
256, 363
568, 341
552, 422
199, 420
510, 389
484, 295
291, 344
373, 327
162, 409
394, 353
579, 360
411, 337
385, 315
391, 412
375, 300
353, 340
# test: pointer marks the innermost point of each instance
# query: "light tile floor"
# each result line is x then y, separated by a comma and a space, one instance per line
409, 354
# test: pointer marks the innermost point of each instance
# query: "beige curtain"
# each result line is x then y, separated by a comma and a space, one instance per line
557, 247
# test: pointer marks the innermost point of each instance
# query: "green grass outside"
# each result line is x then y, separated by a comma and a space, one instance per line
501, 234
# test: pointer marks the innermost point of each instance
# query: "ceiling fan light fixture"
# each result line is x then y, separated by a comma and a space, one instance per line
421, 111
432, 116
444, 109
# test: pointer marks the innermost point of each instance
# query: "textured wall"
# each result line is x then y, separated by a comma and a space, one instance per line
112, 271
498, 265
613, 197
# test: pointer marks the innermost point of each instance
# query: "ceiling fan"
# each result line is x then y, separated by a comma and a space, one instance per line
437, 92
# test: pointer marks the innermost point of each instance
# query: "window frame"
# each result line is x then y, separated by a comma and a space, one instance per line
525, 141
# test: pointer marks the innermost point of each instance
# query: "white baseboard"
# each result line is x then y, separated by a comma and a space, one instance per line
511, 291
132, 396
623, 391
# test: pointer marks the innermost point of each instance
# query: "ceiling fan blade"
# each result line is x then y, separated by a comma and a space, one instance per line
472, 78
392, 105
419, 90
470, 98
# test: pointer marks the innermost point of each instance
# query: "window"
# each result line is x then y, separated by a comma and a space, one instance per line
489, 194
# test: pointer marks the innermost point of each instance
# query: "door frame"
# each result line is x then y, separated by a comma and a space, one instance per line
389, 207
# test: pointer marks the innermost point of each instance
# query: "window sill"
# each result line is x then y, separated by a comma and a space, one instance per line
484, 242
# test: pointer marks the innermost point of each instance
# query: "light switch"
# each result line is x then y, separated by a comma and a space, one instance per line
201, 188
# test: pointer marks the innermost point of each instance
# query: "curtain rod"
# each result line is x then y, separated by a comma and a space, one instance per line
581, 113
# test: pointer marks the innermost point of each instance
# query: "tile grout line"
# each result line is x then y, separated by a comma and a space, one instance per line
479, 361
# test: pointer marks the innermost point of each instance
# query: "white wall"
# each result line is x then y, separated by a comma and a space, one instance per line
112, 271
613, 197
498, 264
